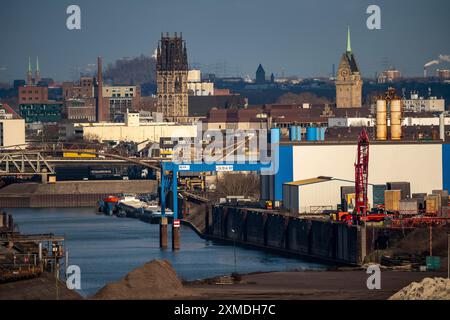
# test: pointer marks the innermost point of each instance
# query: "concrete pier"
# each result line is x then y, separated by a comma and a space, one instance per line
163, 235
175, 238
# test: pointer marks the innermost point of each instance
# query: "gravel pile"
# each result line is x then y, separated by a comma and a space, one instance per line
154, 280
428, 289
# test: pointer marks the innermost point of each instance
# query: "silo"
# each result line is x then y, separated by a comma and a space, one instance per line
396, 119
311, 134
293, 133
381, 120
322, 134
299, 133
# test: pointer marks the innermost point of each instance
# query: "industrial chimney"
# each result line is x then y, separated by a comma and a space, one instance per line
100, 112
442, 126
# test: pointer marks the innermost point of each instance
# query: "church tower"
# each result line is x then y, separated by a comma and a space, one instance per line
29, 73
348, 82
171, 77
260, 75
38, 72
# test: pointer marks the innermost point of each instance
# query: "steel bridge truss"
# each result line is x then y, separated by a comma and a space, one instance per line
24, 163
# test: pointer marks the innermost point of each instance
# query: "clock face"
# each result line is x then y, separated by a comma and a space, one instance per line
344, 73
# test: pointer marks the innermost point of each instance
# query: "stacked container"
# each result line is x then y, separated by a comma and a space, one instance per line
420, 197
392, 200
409, 207
378, 194
405, 188
433, 204
444, 196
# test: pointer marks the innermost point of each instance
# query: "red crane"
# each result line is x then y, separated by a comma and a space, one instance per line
362, 174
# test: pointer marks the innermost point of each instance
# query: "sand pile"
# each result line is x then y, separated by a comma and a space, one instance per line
428, 289
154, 280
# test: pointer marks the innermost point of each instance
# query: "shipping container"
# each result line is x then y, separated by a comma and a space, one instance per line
392, 200
409, 206
404, 187
433, 204
345, 190
444, 196
378, 194
80, 154
420, 197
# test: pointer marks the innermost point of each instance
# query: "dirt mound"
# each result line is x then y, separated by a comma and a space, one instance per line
428, 289
154, 280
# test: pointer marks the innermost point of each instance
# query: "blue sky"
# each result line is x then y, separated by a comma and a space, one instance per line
297, 37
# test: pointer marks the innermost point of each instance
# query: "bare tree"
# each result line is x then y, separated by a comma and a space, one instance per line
304, 97
238, 184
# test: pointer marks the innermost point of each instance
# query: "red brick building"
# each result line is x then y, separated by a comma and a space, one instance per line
33, 94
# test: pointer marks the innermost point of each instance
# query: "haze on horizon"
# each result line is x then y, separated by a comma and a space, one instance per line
297, 37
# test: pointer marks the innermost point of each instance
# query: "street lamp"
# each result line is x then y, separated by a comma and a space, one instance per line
234, 246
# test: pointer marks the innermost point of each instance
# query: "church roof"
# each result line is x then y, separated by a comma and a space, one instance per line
350, 59
260, 69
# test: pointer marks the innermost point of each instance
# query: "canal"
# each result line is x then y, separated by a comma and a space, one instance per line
107, 248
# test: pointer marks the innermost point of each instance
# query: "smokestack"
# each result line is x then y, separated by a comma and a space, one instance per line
100, 113
442, 126
425, 72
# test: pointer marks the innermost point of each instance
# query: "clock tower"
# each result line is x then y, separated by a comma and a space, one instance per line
348, 81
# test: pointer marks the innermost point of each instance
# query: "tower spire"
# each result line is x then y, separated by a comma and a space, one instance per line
29, 73
38, 71
349, 45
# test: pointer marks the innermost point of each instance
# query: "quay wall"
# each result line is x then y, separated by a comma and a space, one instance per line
320, 240
69, 194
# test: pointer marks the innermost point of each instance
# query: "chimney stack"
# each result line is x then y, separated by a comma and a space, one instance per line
100, 112
442, 126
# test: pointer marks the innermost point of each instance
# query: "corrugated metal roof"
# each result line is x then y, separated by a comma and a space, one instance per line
309, 181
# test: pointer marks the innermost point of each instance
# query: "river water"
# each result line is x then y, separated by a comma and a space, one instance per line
107, 248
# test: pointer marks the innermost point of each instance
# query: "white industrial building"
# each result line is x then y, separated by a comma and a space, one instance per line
316, 195
12, 127
425, 165
132, 130
420, 164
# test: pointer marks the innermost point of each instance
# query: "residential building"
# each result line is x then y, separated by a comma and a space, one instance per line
417, 103
12, 127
